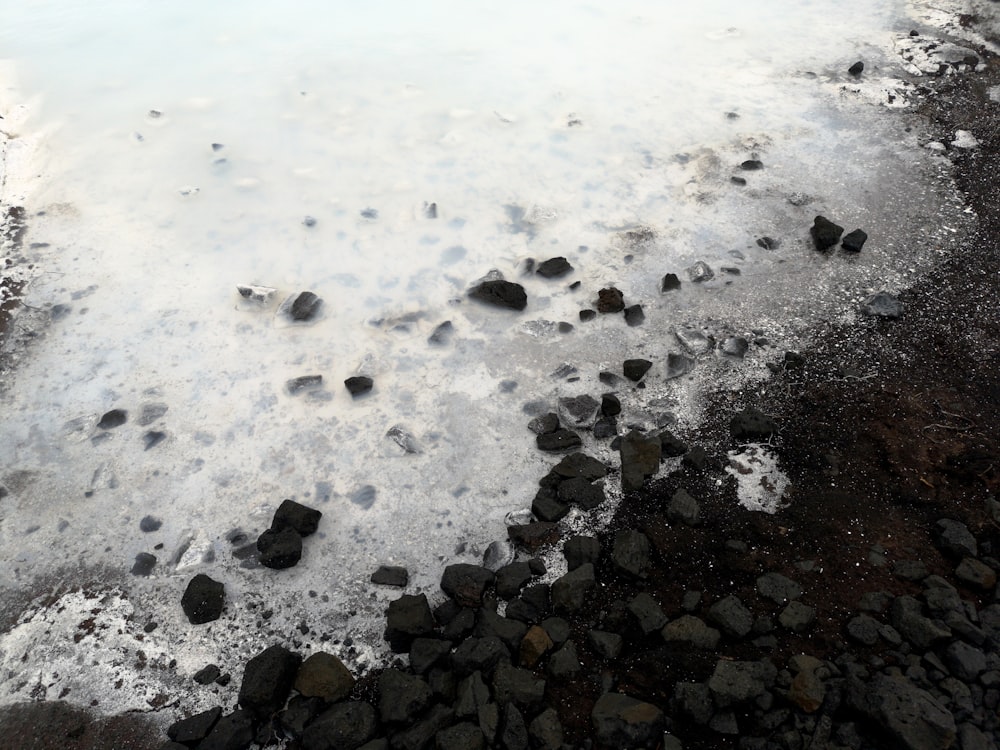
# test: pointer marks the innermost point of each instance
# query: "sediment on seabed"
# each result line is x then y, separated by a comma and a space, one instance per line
860, 615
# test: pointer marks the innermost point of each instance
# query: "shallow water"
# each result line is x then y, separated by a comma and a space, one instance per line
608, 136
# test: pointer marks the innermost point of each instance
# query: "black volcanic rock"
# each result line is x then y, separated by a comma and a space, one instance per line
267, 680
112, 419
280, 549
203, 599
408, 617
558, 441
854, 241
391, 575
466, 583
359, 385
500, 293
293, 515
553, 268
825, 233
194, 728
670, 282
856, 69
634, 316
610, 300
634, 369
751, 426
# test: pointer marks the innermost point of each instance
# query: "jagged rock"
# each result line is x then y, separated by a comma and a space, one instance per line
420, 735
864, 630
547, 506
700, 272
545, 731
564, 663
513, 732
751, 426
694, 340
807, 691
634, 316
441, 334
520, 686
478, 655
234, 730
634, 369
280, 549
203, 599
797, 617
112, 419
691, 630
907, 617
640, 458
407, 618
610, 300
554, 268
608, 645
472, 693
304, 307
693, 700
404, 439
736, 682
632, 553
149, 524
402, 697
267, 680
854, 241
611, 406
964, 661
427, 652
954, 538
256, 293
778, 588
194, 728
647, 612
580, 550
677, 366
684, 509
882, 305
500, 293
466, 583
150, 413
622, 721
391, 575
670, 445
857, 68
544, 425
343, 726
580, 411
324, 676
580, 465
670, 282
207, 674
582, 493
586, 315
533, 536
735, 346
535, 644
510, 579
569, 592
914, 717
293, 515
730, 615
358, 385
825, 233
490, 624
976, 574
558, 441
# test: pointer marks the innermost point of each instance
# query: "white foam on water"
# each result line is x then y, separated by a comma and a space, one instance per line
600, 134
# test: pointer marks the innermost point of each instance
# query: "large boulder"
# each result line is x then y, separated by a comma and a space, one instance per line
408, 617
913, 717
324, 676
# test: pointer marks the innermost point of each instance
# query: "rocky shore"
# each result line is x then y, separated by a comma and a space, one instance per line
863, 614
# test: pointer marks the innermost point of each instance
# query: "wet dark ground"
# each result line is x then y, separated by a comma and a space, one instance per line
884, 428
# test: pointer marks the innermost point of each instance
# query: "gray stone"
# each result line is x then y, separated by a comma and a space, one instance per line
882, 305
419, 736
426, 652
513, 732
581, 465
700, 272
976, 574
964, 661
647, 612
911, 715
510, 631
640, 458
954, 538
564, 663
694, 340
970, 737
472, 694
342, 726
203, 599
581, 549
510, 579
558, 441
464, 736
622, 721
677, 366
907, 617
569, 592
607, 645
694, 701
479, 655
632, 553
691, 630
797, 617
194, 728
778, 588
580, 411
684, 509
864, 630
232, 731
634, 369
546, 732
500, 293
323, 675
736, 682
515, 685
402, 696
731, 616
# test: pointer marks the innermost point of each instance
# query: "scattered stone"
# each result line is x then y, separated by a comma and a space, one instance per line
700, 272
694, 340
586, 315
730, 615
751, 165
768, 243
640, 458
303, 383
670, 283
515, 685
293, 515
778, 588
582, 493
558, 441
255, 293
324, 676
964, 662
854, 241
112, 419
305, 306
391, 575
634, 369
581, 465
203, 599
580, 411
882, 305
533, 536
466, 583
149, 524
736, 682
404, 439
580, 550
267, 680
554, 268
907, 617
407, 618
693, 631
752, 426
570, 591
150, 413
441, 335
634, 316
670, 445
279, 549
684, 509
500, 293
607, 645
610, 300
797, 617
545, 731
735, 346
622, 721
647, 612
954, 539
856, 69
825, 233
144, 564
207, 675
544, 425
358, 385
738, 180
427, 652
535, 644
153, 438
632, 553
564, 663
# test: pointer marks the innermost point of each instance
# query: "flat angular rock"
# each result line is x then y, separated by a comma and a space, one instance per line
256, 293
407, 618
144, 564
581, 465
559, 441
976, 574
731, 616
519, 686
391, 575
304, 307
570, 591
267, 680
510, 579
582, 493
203, 599
466, 583
150, 413
622, 721
234, 730
343, 726
565, 662
194, 728
692, 631
632, 553
500, 293
323, 675
797, 617
670, 445
428, 652
882, 305
303, 383
954, 539
854, 241
634, 316
479, 655
647, 612
608, 645
579, 410
906, 615
464, 736
112, 419
280, 549
554, 268
533, 536
358, 385
634, 369
545, 731
293, 515
825, 233
964, 661
441, 334
548, 507
610, 300
700, 272
544, 425
736, 682
535, 644
735, 346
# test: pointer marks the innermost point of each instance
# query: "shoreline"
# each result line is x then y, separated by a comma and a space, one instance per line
834, 382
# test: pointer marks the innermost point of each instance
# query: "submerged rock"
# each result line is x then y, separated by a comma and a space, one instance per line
856, 69
678, 365
634, 316
882, 305
670, 282
303, 383
500, 293
304, 307
441, 334
640, 457
359, 385
579, 410
694, 340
